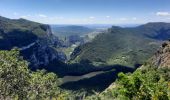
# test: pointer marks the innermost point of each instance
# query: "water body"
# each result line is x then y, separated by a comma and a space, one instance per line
67, 79
94, 81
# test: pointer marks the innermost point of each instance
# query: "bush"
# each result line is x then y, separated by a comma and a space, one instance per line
18, 82
143, 84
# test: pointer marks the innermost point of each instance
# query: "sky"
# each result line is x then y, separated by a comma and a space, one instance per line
87, 11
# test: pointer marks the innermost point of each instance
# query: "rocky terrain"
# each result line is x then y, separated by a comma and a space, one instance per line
162, 57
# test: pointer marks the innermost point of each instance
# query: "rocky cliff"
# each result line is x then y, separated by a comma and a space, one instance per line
35, 41
41, 52
162, 56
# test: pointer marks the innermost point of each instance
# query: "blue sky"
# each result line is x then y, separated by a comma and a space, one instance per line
87, 11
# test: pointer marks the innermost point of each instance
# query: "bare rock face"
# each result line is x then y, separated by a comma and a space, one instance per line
41, 52
161, 59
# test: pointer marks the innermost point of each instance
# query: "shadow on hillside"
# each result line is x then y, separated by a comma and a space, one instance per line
77, 69
99, 82
161, 34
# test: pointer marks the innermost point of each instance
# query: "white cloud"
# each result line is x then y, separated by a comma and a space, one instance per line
60, 17
107, 16
123, 19
91, 17
56, 18
42, 15
163, 13
24, 16
134, 18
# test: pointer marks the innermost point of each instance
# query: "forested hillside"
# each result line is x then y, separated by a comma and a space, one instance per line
150, 82
34, 40
125, 46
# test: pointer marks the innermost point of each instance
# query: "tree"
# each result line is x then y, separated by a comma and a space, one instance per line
14, 75
43, 85
146, 83
18, 82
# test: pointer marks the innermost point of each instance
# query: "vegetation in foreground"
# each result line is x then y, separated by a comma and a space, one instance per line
18, 82
148, 83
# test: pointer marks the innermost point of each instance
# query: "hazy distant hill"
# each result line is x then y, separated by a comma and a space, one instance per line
70, 30
125, 46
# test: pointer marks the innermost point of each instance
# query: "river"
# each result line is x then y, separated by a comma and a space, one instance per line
66, 79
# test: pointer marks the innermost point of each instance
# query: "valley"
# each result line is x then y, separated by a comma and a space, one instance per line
67, 79
85, 63
73, 36
84, 50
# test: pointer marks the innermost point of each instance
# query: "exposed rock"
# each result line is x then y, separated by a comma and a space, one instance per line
162, 57
41, 52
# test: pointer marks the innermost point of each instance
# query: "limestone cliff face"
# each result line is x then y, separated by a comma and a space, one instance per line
35, 41
41, 52
162, 57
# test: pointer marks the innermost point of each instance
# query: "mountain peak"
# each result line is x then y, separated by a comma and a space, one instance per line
162, 57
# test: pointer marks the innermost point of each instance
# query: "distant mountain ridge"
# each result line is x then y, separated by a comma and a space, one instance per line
125, 46
69, 30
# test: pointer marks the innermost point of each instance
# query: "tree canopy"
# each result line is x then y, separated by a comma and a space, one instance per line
18, 82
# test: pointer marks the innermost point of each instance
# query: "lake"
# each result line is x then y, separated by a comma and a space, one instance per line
66, 79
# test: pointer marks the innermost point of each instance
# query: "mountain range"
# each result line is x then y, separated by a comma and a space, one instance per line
126, 46
69, 30
111, 59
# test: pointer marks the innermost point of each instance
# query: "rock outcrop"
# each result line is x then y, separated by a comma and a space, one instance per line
41, 52
161, 58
